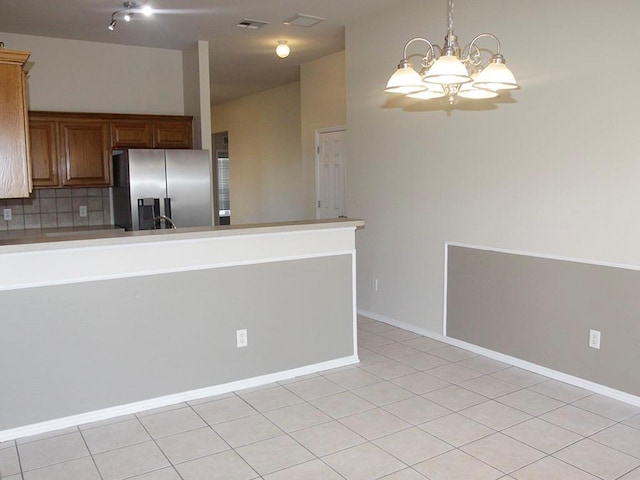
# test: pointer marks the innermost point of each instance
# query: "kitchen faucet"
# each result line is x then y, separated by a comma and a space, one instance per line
166, 219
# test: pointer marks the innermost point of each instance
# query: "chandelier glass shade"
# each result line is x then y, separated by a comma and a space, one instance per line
405, 80
451, 72
447, 70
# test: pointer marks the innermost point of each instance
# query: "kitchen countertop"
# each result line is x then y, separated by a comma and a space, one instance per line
44, 239
31, 234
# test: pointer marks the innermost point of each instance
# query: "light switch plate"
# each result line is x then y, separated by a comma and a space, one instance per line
7, 214
83, 210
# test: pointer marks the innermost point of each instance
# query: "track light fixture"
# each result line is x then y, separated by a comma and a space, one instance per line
127, 12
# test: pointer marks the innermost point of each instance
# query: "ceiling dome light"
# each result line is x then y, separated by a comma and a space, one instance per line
147, 10
283, 50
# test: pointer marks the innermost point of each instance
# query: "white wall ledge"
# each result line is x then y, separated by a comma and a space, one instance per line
125, 254
102, 237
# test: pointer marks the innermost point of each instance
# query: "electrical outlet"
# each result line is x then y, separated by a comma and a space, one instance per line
7, 214
83, 210
594, 339
241, 338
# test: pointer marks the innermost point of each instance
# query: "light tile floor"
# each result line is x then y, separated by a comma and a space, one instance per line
414, 408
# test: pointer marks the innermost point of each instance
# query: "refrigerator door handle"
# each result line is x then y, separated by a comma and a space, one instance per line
167, 207
156, 214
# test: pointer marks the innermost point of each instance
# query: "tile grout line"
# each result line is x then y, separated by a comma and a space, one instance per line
93, 460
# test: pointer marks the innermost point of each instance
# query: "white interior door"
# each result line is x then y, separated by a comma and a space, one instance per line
331, 157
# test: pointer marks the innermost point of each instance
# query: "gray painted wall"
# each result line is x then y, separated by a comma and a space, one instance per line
541, 310
71, 349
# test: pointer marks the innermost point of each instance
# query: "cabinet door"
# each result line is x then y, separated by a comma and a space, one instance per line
43, 151
86, 153
173, 134
131, 134
15, 175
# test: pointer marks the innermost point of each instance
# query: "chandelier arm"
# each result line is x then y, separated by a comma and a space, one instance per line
471, 55
431, 48
481, 35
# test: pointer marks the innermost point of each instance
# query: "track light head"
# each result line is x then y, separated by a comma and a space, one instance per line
128, 10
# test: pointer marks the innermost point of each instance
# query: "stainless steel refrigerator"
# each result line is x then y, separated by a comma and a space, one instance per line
162, 188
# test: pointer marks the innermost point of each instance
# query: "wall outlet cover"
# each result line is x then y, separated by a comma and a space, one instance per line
7, 214
241, 338
594, 339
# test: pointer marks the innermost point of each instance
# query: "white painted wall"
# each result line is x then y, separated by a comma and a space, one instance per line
323, 103
264, 155
197, 95
78, 76
555, 172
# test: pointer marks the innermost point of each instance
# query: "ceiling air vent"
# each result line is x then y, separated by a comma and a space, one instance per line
302, 20
251, 24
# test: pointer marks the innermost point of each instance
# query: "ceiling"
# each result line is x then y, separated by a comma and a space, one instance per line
242, 61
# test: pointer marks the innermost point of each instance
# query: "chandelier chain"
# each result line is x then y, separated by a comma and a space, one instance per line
451, 15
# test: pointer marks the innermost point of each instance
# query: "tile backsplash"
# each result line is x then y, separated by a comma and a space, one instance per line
57, 207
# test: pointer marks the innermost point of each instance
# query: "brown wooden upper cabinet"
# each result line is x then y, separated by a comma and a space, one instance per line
85, 153
74, 149
15, 174
43, 151
152, 132
131, 134
172, 134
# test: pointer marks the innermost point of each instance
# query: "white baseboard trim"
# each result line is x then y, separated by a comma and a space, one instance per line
516, 362
107, 413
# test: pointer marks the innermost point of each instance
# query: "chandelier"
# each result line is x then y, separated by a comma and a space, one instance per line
450, 72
